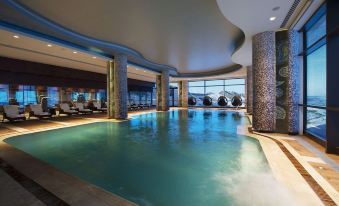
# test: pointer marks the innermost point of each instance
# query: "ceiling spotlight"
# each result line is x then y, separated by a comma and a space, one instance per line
94, 57
273, 18
16, 36
75, 52
49, 45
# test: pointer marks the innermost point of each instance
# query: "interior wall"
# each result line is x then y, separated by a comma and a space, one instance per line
14, 71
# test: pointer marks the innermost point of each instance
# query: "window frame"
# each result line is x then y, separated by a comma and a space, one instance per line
307, 50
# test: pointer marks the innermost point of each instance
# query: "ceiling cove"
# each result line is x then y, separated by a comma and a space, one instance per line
188, 38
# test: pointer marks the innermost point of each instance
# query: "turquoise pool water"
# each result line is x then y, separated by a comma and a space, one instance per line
185, 157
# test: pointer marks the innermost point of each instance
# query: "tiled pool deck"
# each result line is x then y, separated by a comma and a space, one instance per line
25, 180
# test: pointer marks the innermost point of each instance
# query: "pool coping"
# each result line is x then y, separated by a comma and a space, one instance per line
64, 185
314, 184
68, 188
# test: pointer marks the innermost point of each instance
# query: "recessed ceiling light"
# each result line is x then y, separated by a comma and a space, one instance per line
276, 8
16, 36
273, 18
75, 52
49, 45
94, 57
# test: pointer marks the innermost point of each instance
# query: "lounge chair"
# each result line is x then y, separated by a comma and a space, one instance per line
98, 107
134, 107
80, 107
11, 112
65, 109
36, 111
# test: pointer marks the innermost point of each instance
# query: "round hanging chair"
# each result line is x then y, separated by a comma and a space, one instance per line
222, 101
192, 101
236, 101
207, 101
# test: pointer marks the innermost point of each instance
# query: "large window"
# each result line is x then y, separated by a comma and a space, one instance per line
4, 94
315, 74
173, 99
26, 95
53, 96
216, 88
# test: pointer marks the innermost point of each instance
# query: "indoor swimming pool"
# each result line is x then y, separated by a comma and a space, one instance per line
180, 157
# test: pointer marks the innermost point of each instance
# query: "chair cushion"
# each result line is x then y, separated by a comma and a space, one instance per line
36, 109
65, 107
80, 106
97, 105
11, 110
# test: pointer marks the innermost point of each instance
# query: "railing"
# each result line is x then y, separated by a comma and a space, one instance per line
335, 109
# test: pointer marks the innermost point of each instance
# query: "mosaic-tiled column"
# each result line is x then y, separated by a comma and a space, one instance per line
179, 94
249, 90
287, 86
110, 90
158, 93
120, 86
264, 82
183, 93
117, 87
165, 91
293, 79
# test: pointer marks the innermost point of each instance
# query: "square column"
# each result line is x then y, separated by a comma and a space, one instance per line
162, 86
117, 87
183, 93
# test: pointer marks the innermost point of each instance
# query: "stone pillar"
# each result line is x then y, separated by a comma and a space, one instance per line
165, 91
110, 91
158, 93
117, 87
179, 93
183, 93
293, 82
162, 86
287, 86
249, 90
264, 94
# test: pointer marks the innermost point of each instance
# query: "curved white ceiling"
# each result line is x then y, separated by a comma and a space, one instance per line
252, 17
192, 35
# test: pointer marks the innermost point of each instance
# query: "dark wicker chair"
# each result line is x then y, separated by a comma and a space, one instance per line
207, 101
222, 101
192, 101
236, 101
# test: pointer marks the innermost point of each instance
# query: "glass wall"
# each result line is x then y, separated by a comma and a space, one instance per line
216, 88
30, 94
140, 98
315, 74
173, 99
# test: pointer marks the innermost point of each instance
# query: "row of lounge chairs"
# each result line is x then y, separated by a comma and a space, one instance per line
134, 107
12, 112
